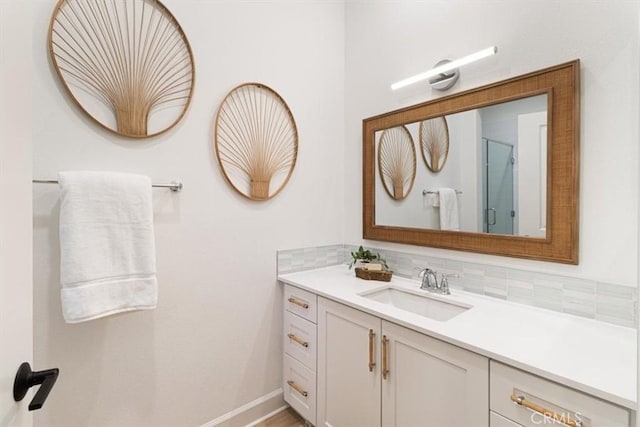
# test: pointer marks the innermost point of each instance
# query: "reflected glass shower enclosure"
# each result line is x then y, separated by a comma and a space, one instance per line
498, 187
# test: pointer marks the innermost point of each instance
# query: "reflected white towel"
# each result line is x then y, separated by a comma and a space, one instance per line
107, 245
449, 216
433, 198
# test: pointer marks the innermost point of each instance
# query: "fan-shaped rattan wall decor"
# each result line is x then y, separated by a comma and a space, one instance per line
434, 141
256, 141
397, 162
126, 63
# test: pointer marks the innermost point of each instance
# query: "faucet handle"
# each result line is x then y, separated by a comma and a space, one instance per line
444, 283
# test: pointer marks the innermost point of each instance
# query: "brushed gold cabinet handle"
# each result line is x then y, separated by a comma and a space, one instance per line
385, 357
372, 362
297, 388
304, 305
298, 340
566, 420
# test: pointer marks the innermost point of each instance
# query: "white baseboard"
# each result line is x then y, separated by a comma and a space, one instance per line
251, 413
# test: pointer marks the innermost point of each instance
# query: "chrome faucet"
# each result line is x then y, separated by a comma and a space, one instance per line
430, 282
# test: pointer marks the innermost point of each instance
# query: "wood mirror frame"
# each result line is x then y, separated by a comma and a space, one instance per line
561, 83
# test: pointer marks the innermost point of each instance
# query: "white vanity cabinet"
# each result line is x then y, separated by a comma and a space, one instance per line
372, 372
348, 362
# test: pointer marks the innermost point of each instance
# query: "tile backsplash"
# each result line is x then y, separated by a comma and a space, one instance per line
608, 302
290, 261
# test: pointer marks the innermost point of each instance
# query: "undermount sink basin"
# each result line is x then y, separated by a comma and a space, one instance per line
418, 302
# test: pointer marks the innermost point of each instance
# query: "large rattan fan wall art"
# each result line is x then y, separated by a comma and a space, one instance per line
256, 141
397, 162
434, 141
126, 63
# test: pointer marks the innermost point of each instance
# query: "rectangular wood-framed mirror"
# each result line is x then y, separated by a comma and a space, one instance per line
555, 149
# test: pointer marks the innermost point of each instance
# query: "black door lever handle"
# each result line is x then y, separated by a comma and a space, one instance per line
26, 378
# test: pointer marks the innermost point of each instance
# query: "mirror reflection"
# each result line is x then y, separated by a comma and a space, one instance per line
482, 171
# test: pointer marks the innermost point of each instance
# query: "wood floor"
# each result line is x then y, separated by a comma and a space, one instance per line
286, 418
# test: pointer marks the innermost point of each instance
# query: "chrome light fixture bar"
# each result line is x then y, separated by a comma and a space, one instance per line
446, 67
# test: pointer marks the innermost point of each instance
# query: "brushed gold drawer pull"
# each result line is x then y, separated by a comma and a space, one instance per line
304, 305
385, 357
566, 420
298, 340
297, 388
372, 362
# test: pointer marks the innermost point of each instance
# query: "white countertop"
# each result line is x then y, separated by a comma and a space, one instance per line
595, 357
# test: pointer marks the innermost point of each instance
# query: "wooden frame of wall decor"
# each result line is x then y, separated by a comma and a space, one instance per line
255, 136
561, 83
132, 57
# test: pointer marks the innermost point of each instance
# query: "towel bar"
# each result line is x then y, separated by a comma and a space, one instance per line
173, 185
425, 192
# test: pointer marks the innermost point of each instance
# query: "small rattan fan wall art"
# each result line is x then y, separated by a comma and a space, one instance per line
256, 141
126, 63
434, 143
397, 162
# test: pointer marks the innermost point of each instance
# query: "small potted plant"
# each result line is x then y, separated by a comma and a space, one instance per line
370, 266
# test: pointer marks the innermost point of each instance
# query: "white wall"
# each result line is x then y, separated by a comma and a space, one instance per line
387, 41
214, 342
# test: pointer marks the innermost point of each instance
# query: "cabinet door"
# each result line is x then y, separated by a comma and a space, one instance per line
348, 386
432, 383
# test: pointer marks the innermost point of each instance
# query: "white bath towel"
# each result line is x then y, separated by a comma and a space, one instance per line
433, 199
449, 215
107, 245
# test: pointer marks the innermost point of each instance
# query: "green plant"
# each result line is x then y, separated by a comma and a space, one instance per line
367, 256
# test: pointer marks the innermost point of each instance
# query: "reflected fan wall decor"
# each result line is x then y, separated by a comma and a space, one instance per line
397, 162
434, 143
126, 63
256, 141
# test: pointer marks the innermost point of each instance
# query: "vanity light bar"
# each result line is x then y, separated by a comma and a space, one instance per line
441, 69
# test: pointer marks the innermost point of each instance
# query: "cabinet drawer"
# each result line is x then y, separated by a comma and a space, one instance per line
300, 339
300, 302
567, 403
299, 385
496, 420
